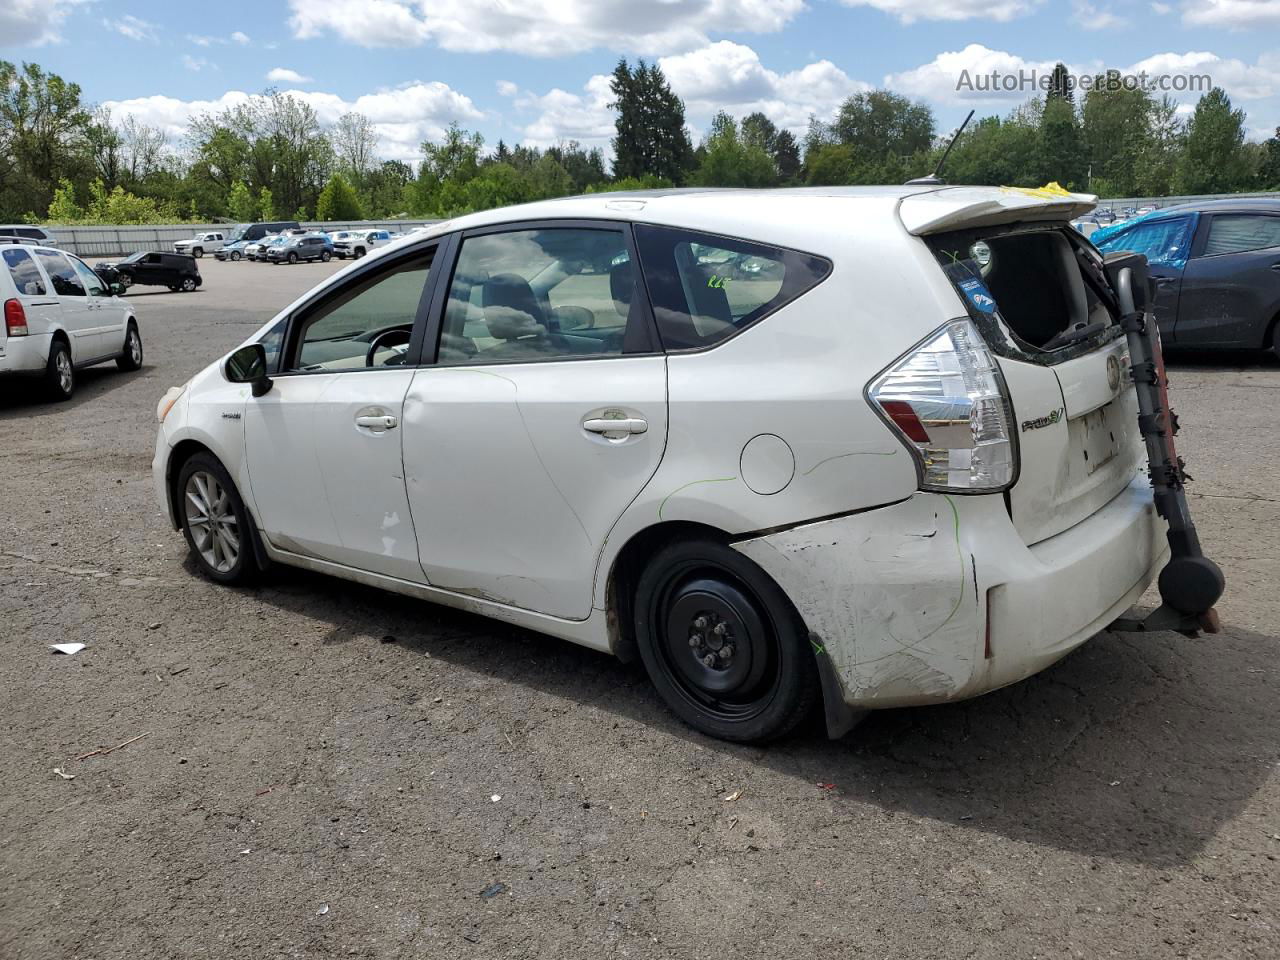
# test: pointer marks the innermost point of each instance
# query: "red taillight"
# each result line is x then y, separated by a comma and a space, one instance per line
904, 416
15, 318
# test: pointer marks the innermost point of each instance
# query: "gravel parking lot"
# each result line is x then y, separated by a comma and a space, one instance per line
327, 770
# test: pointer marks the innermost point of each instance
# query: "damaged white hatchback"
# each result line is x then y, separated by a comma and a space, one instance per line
864, 447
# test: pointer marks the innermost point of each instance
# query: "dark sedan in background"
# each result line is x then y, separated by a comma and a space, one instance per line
1217, 270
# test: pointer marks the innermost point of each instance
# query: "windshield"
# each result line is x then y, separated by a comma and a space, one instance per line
238, 233
133, 258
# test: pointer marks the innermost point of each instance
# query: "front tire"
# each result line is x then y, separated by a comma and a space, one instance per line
326, 257
359, 253
59, 374
235, 255
293, 257
198, 252
215, 522
131, 358
723, 644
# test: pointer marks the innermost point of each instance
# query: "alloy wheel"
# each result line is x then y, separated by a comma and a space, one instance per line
212, 521
66, 378
135, 348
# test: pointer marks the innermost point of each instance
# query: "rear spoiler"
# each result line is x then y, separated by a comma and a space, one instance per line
959, 208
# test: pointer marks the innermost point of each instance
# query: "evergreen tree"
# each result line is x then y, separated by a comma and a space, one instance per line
786, 157
1062, 155
650, 135
1060, 87
338, 201
1269, 169
1213, 160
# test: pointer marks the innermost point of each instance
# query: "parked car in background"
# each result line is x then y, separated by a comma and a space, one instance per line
358, 243
309, 246
1217, 271
778, 492
201, 244
35, 234
60, 316
177, 271
232, 250
254, 250
250, 232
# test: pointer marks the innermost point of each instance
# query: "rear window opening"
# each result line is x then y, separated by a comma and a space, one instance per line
1041, 291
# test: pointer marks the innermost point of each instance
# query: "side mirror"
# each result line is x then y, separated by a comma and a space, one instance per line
249, 365
118, 289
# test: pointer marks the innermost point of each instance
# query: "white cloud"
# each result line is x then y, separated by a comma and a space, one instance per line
720, 76
133, 28
33, 23
285, 75
729, 76
1236, 14
240, 38
938, 80
206, 40
194, 64
403, 116
545, 28
507, 89
1161, 8
909, 11
1242, 81
1091, 17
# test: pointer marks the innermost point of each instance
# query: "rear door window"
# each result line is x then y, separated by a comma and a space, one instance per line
91, 281
705, 288
25, 273
1162, 241
1238, 233
61, 274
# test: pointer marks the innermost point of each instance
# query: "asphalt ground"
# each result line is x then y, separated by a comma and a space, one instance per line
325, 770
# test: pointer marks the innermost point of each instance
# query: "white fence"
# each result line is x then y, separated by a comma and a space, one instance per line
120, 241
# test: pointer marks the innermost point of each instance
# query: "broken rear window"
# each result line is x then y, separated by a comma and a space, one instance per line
1034, 291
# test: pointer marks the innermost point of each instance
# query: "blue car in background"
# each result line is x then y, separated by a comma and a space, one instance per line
1217, 271
231, 251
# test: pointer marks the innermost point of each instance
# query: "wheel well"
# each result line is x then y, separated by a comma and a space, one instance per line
182, 452
61, 337
1270, 337
625, 574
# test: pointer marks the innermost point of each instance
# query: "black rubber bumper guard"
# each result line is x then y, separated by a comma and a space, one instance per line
1190, 583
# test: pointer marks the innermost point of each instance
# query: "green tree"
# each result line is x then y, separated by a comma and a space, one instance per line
729, 162
786, 157
828, 164
338, 201
882, 123
43, 126
63, 208
1213, 160
1060, 86
1269, 169
266, 204
1062, 157
650, 135
240, 203
1116, 128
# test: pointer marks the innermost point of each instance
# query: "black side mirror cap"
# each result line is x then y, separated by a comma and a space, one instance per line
249, 365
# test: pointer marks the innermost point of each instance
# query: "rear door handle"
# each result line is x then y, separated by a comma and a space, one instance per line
624, 425
377, 423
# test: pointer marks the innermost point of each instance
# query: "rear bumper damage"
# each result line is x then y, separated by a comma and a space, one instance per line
937, 598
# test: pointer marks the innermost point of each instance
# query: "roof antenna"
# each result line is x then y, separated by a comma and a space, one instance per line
935, 179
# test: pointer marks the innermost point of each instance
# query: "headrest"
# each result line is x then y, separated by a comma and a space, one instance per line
621, 285
510, 308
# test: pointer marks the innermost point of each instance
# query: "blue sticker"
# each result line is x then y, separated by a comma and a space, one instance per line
978, 295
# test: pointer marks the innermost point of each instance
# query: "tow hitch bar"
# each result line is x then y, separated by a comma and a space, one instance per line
1190, 583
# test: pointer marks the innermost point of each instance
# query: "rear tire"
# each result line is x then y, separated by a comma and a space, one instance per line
59, 374
216, 524
293, 257
188, 284
723, 644
131, 358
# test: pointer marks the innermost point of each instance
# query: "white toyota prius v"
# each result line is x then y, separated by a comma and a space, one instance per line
856, 447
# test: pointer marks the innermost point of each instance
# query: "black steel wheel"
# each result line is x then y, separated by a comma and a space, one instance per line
723, 644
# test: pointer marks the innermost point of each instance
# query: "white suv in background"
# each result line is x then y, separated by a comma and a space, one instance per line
24, 231
356, 243
201, 244
869, 447
59, 316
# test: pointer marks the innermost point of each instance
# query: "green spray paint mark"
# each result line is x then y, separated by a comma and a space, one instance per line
692, 483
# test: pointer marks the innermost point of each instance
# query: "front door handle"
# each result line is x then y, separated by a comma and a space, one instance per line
378, 423
624, 425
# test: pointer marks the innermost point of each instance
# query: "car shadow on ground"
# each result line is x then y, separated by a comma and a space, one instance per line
1220, 360
1135, 747
24, 396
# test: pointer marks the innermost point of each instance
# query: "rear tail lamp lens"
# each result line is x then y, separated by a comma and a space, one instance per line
948, 401
15, 318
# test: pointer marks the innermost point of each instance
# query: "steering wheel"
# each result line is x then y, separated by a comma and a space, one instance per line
388, 338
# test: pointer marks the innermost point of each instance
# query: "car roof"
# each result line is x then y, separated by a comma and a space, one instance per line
799, 217
1229, 205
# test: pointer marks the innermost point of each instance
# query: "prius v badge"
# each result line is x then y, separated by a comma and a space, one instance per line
1047, 420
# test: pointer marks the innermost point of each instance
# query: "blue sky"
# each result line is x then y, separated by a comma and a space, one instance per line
535, 71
